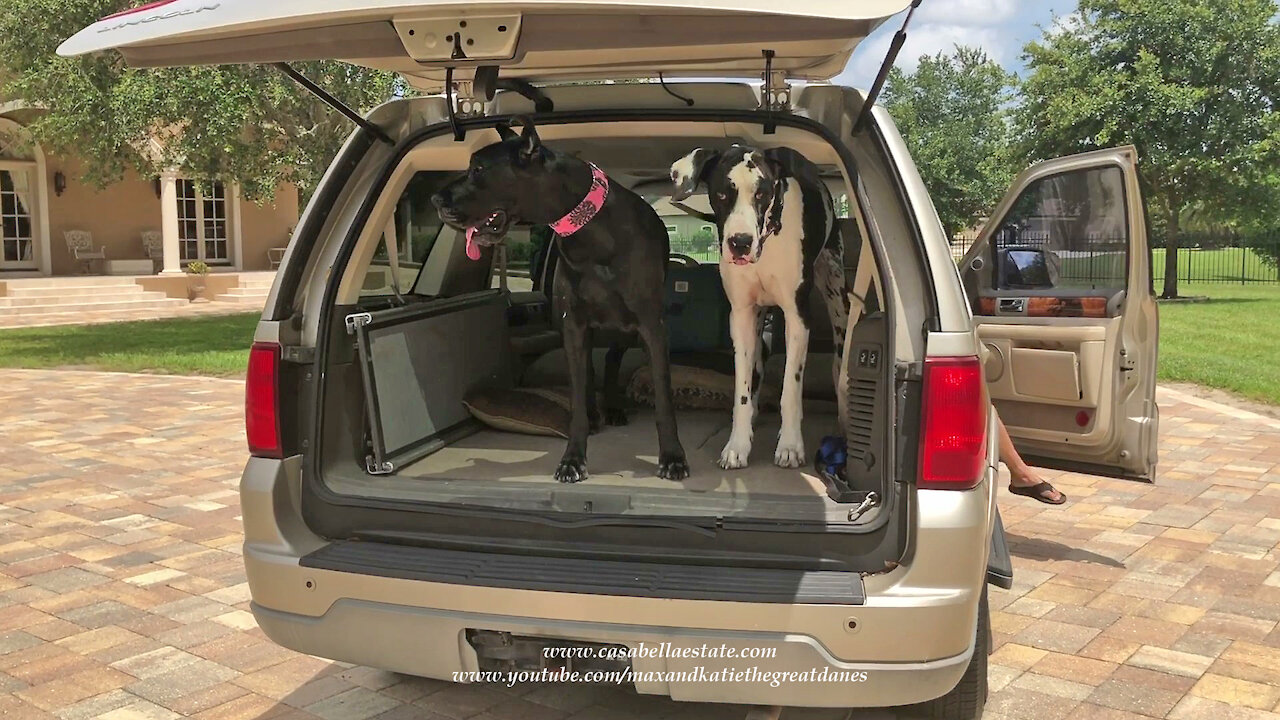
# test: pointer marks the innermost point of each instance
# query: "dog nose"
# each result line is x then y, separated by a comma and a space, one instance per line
739, 243
440, 199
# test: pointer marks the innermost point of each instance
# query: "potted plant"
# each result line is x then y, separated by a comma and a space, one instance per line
196, 272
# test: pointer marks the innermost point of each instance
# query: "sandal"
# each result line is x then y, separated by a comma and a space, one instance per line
1040, 491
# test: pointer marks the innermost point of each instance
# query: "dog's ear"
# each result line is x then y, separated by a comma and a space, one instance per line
506, 133
771, 169
531, 144
690, 170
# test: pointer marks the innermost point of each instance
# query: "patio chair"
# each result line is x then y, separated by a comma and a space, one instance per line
275, 256
153, 248
80, 243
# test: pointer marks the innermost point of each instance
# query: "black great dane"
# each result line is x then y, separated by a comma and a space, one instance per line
778, 236
614, 254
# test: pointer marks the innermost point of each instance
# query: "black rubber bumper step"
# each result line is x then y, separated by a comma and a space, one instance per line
592, 577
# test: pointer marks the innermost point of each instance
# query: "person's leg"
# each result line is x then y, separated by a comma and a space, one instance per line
1020, 473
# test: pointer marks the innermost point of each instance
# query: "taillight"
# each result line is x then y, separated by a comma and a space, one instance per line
262, 401
140, 8
953, 451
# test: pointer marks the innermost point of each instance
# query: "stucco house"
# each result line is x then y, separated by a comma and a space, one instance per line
42, 200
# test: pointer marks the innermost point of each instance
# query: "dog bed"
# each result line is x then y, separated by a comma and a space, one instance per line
529, 411
694, 388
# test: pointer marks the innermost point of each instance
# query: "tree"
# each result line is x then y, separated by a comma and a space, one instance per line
1191, 83
704, 240
247, 124
952, 114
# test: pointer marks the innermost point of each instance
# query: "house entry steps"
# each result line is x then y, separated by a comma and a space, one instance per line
251, 291
61, 298
89, 299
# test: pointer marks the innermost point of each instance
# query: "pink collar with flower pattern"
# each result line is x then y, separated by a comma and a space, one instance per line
587, 209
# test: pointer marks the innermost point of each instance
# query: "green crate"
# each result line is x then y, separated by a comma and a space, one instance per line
697, 315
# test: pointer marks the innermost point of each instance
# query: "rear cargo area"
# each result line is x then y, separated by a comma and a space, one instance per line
495, 468
399, 423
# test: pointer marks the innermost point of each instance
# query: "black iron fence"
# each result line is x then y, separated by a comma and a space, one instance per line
1202, 258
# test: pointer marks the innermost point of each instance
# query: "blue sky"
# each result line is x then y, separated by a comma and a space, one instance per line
1001, 27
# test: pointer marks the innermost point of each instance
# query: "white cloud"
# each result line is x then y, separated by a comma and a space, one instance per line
967, 12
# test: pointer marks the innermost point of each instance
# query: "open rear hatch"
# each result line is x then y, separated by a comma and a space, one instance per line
536, 40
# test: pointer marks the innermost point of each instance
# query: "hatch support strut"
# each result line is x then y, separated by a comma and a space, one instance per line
889, 58
334, 102
458, 133
775, 93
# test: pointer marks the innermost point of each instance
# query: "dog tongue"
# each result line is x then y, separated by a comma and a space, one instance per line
740, 261
473, 250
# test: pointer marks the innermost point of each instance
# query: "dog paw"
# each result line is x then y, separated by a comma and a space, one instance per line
673, 467
734, 455
790, 454
615, 416
571, 470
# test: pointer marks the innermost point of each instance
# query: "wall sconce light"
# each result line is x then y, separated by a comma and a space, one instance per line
155, 185
59, 183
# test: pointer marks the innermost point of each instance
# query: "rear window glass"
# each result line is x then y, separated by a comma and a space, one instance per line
413, 231
525, 248
689, 235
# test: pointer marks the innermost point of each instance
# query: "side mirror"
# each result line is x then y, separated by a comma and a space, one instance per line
1025, 268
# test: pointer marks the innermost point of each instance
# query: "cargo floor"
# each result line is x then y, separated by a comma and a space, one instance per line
499, 469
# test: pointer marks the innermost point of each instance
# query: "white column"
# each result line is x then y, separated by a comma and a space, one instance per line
169, 222
44, 255
237, 236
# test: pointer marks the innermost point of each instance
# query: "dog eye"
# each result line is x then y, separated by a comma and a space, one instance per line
721, 196
759, 194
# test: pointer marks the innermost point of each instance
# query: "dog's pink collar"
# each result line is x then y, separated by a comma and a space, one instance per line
587, 209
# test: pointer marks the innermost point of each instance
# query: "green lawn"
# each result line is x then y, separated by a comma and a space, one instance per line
215, 345
1231, 342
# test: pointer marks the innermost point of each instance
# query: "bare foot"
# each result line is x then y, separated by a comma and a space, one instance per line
1025, 477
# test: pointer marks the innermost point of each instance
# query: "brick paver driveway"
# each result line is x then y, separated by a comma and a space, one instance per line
122, 594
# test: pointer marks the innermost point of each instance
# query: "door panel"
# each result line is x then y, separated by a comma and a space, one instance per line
1060, 290
1046, 374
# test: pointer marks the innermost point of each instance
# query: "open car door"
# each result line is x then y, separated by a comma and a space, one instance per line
1060, 286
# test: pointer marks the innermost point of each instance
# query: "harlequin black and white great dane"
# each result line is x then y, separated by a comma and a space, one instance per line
778, 236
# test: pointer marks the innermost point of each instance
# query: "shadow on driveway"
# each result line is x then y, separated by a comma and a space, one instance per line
1042, 549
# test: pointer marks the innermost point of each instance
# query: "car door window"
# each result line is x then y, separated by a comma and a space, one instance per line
1065, 232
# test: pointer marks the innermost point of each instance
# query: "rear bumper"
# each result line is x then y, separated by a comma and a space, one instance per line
431, 643
909, 642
